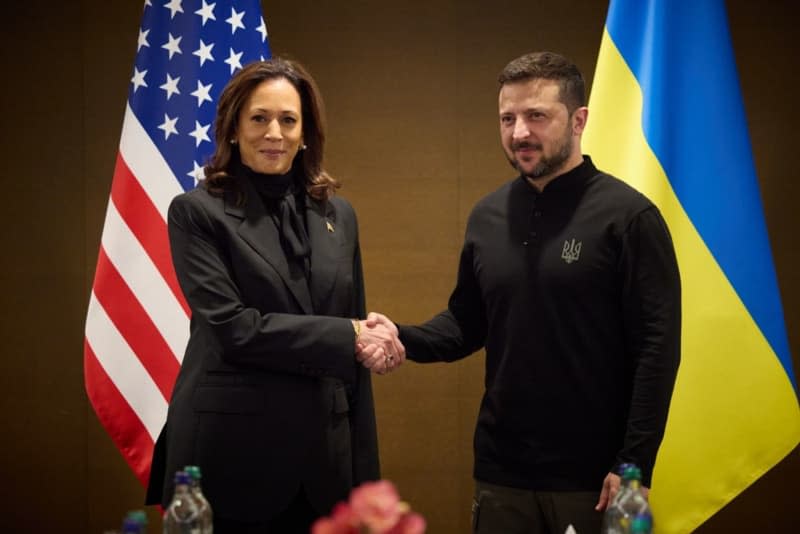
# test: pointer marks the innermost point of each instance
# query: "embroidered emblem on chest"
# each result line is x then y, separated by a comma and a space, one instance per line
572, 251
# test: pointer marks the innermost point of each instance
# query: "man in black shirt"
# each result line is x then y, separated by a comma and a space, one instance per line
569, 280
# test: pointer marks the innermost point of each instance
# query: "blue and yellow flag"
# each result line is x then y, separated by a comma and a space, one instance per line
666, 115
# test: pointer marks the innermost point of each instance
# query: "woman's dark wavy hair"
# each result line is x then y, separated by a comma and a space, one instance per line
319, 184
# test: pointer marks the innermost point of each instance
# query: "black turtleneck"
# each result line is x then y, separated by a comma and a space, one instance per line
283, 196
575, 295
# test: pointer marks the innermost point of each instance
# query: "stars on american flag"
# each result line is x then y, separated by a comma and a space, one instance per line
173, 45
142, 41
168, 126
197, 173
182, 64
262, 29
174, 6
235, 20
234, 60
207, 12
138, 79
204, 52
201, 93
171, 86
200, 133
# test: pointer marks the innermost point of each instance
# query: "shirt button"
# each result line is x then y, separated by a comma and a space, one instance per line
537, 213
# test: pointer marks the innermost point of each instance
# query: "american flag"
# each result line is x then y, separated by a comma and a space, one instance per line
137, 324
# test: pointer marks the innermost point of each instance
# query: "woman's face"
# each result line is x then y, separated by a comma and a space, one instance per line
270, 128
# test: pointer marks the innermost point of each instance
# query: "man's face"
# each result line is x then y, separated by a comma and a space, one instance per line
535, 128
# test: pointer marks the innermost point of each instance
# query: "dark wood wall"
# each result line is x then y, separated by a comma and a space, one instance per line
411, 95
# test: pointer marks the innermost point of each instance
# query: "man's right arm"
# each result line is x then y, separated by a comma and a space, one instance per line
456, 332
441, 339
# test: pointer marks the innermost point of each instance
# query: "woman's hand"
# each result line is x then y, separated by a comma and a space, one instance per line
378, 348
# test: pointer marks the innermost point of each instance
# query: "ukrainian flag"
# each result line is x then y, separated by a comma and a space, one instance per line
666, 115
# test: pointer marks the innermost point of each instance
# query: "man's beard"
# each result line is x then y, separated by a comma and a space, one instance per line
548, 164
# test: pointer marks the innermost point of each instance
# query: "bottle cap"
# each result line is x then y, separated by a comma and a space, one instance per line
193, 471
620, 470
632, 473
181, 477
131, 526
137, 515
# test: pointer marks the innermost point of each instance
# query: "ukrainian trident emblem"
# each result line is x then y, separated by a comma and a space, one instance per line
572, 251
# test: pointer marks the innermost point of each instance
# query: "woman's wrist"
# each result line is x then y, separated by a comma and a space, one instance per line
357, 330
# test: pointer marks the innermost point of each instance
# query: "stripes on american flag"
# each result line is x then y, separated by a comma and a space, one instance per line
137, 324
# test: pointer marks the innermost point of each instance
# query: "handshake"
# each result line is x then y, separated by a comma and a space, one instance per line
377, 346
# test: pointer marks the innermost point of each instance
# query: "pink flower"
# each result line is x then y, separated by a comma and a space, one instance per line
374, 508
377, 505
341, 521
409, 524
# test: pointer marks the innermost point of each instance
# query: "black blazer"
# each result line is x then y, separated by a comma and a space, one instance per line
269, 396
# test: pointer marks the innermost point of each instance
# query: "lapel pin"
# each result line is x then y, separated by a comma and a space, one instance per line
329, 226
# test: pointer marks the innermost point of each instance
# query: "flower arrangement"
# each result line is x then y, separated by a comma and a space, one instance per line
373, 508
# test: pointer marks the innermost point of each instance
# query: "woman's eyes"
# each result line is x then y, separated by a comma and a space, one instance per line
288, 119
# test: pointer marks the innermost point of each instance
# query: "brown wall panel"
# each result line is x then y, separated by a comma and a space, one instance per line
411, 95
109, 47
41, 405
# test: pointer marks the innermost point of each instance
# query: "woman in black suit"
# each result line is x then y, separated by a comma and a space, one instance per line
270, 401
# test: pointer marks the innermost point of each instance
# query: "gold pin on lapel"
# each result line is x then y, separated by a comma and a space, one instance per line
329, 225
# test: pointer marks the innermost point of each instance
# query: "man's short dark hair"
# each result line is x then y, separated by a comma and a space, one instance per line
548, 66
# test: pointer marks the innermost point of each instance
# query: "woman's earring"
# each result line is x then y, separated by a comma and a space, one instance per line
233, 141
303, 147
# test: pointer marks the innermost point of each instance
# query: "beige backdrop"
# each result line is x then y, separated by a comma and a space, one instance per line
411, 95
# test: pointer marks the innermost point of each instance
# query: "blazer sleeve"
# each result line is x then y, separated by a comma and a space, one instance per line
294, 343
366, 465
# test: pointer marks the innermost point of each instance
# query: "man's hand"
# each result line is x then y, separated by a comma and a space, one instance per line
610, 489
378, 347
